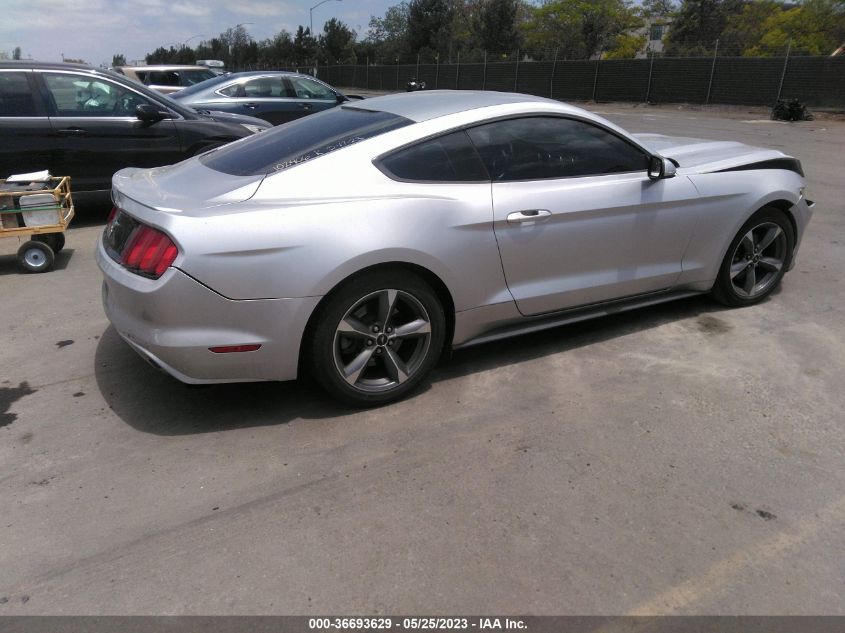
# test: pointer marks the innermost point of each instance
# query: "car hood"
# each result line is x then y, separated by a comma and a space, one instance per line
695, 155
186, 188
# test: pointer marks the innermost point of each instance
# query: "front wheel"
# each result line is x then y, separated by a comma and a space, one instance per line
376, 338
756, 260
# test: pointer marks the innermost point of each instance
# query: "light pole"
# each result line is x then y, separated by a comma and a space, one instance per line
311, 13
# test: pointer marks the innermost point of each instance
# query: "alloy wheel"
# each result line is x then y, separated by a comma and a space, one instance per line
758, 260
382, 340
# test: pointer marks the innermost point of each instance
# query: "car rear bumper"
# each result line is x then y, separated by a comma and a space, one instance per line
174, 320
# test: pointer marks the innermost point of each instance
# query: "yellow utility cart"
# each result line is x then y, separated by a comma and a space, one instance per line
38, 212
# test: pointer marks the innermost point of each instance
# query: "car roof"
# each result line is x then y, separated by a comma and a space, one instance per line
46, 65
431, 104
165, 67
258, 73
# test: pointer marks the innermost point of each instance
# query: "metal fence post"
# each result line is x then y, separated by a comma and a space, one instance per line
484, 76
436, 69
596, 78
783, 74
397, 74
458, 72
712, 72
650, 66
552, 80
367, 74
516, 72
418, 66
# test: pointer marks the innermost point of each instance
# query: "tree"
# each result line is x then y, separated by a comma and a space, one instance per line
389, 35
337, 42
744, 30
626, 46
16, 53
579, 29
304, 46
497, 26
429, 25
118, 59
816, 27
698, 25
659, 8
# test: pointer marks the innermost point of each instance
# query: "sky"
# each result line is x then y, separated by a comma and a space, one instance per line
94, 30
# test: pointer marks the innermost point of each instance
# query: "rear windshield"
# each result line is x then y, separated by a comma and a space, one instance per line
301, 140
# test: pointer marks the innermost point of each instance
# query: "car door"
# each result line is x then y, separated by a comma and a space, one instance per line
26, 142
311, 96
576, 217
264, 96
96, 132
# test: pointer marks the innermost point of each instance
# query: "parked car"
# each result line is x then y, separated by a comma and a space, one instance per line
369, 240
87, 123
167, 79
275, 96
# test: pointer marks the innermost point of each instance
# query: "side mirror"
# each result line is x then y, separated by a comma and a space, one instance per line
149, 113
659, 167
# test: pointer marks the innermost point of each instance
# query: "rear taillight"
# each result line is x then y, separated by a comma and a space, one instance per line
148, 252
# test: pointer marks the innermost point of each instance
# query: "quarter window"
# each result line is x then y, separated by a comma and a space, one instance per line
16, 99
81, 96
538, 148
449, 158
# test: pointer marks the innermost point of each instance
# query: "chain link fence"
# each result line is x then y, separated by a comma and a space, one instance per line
817, 81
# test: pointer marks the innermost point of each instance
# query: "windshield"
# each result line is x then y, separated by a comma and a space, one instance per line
208, 82
153, 96
302, 140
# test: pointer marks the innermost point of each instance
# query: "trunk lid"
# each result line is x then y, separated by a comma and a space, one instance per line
187, 188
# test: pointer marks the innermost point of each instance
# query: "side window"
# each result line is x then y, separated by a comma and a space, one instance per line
449, 158
264, 88
162, 78
538, 148
309, 89
80, 96
16, 98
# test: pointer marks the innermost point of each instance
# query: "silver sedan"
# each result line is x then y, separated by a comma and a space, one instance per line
361, 242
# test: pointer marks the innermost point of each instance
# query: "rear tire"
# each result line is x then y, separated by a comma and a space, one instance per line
56, 241
35, 257
757, 259
376, 338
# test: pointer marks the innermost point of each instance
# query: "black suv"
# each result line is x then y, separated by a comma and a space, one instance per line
87, 123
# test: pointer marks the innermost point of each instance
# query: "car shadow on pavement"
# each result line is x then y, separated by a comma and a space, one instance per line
153, 402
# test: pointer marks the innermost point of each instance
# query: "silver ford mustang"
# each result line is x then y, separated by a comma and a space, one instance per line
361, 242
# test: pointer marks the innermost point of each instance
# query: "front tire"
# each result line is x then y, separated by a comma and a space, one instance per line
376, 338
757, 259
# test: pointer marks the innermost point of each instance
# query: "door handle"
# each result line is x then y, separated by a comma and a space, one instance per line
251, 106
71, 131
529, 215
305, 106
